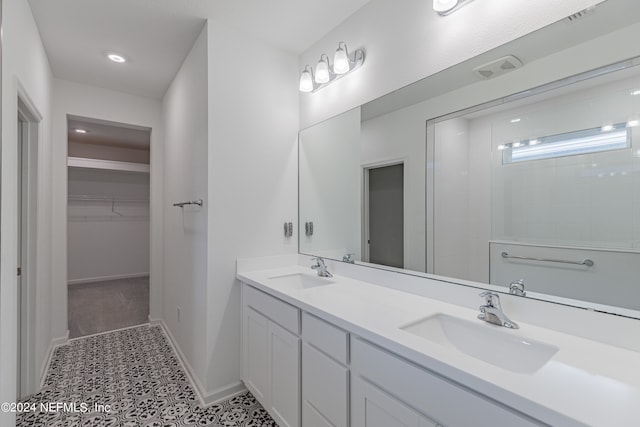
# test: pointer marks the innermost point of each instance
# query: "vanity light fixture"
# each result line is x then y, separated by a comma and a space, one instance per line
445, 7
306, 79
343, 64
322, 70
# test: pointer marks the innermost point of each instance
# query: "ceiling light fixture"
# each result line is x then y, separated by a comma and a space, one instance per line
445, 7
114, 57
343, 64
80, 130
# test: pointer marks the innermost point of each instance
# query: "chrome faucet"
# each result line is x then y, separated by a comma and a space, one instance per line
321, 267
517, 288
491, 311
349, 258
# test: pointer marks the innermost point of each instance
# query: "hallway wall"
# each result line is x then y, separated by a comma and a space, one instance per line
25, 72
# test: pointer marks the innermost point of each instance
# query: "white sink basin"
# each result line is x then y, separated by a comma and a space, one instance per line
300, 281
489, 343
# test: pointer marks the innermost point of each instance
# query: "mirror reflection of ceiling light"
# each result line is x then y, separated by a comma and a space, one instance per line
343, 64
445, 7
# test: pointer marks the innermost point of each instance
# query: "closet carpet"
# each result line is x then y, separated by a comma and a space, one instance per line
106, 306
137, 374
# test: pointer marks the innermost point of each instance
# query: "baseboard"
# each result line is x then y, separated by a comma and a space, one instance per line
105, 278
56, 342
206, 399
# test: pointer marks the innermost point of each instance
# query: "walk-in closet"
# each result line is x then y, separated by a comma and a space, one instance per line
108, 226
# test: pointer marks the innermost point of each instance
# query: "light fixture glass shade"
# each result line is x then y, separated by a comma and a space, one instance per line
306, 81
322, 71
444, 5
341, 60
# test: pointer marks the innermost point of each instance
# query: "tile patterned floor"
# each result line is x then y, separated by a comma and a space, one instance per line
136, 372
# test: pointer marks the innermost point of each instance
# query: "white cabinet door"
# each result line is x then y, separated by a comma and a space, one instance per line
255, 351
325, 390
284, 371
372, 407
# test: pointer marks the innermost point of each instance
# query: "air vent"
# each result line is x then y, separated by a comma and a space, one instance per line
498, 67
581, 14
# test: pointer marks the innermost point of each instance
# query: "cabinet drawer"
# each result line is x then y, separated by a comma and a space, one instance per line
278, 311
326, 337
428, 393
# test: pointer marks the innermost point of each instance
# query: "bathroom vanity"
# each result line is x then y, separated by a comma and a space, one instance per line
342, 351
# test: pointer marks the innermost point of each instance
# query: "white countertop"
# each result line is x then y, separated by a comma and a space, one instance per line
585, 383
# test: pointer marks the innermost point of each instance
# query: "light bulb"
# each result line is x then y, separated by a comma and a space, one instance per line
306, 81
444, 5
341, 60
322, 70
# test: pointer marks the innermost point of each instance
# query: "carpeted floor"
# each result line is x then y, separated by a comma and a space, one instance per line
137, 374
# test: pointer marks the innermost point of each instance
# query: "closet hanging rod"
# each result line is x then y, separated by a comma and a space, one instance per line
87, 198
189, 202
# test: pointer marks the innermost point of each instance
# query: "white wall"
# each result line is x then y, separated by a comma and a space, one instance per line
93, 102
185, 230
330, 187
451, 199
107, 239
25, 72
253, 114
406, 41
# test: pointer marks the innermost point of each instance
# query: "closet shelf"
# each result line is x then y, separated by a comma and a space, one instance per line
81, 162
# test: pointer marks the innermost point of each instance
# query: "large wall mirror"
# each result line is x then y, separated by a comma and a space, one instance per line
532, 175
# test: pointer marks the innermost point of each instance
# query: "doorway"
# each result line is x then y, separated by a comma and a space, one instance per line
108, 238
384, 215
26, 250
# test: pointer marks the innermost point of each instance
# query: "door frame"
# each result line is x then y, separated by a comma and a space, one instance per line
28, 192
365, 200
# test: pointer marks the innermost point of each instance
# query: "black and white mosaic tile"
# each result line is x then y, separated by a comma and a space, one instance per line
136, 373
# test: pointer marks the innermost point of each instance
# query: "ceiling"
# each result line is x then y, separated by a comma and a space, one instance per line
156, 35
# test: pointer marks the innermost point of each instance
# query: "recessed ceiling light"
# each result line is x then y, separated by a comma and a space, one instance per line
116, 58
80, 130
633, 123
635, 92
607, 128
502, 147
534, 142
517, 144
516, 120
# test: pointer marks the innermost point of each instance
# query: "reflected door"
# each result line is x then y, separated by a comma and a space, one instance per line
385, 212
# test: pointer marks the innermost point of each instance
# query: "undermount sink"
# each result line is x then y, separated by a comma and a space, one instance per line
300, 281
489, 343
